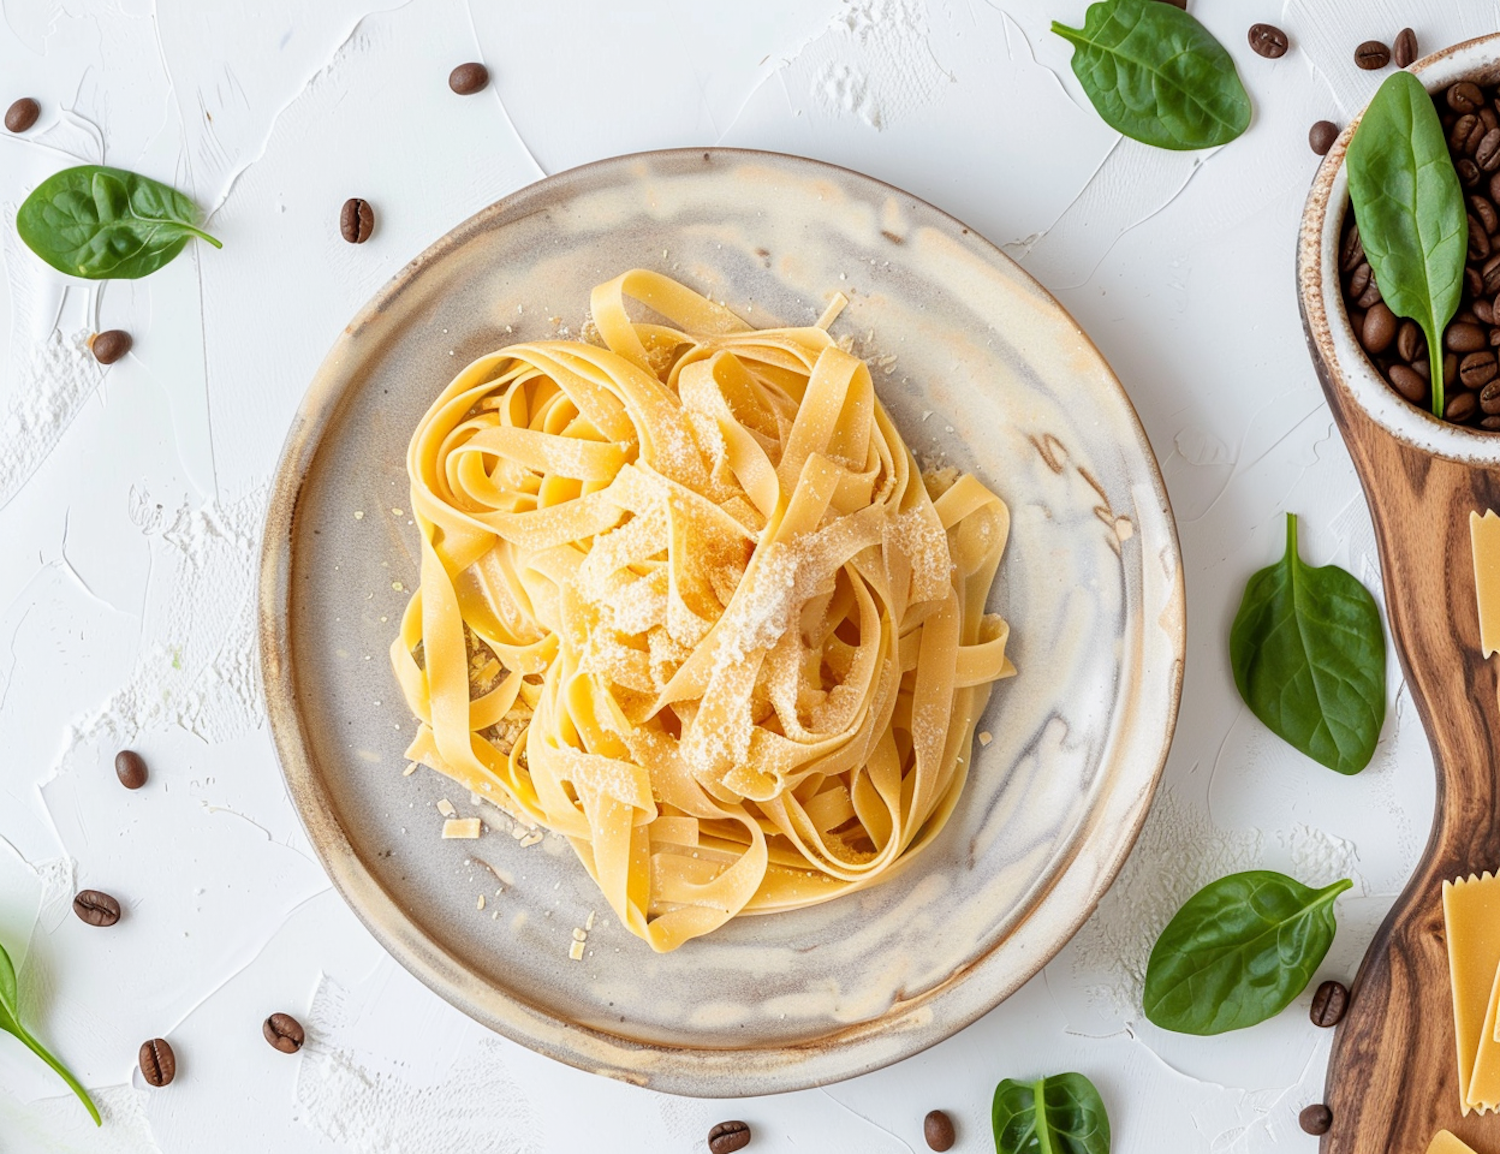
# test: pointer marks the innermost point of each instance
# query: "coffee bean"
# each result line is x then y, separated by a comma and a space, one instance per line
1315, 1119
357, 220
1465, 128
1477, 369
96, 907
1487, 154
22, 114
1352, 251
1409, 383
1490, 424
1359, 280
130, 768
158, 1063
1473, 282
1268, 40
468, 79
1409, 342
1379, 329
937, 1127
1485, 311
110, 345
284, 1032
728, 1136
1460, 407
1404, 49
1489, 398
1488, 118
1462, 338
1485, 213
1468, 173
1490, 276
1450, 366
1370, 297
1321, 135
1465, 96
1329, 1004
1357, 321
1466, 316
1479, 241
1372, 54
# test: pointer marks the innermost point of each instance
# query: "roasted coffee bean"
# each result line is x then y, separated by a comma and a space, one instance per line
1485, 311
1404, 47
130, 768
1490, 276
1468, 173
284, 1032
1466, 133
1466, 317
1329, 1004
728, 1136
357, 220
1423, 368
1477, 369
1359, 280
96, 907
1409, 383
1409, 342
1473, 282
1460, 407
1489, 398
1321, 135
1352, 251
1465, 96
1379, 329
1484, 212
1462, 338
1371, 296
22, 114
1479, 241
1487, 154
937, 1128
1357, 320
1268, 40
1490, 424
1372, 54
110, 345
1315, 1119
468, 79
158, 1063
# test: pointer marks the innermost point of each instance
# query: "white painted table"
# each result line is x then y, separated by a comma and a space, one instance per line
131, 498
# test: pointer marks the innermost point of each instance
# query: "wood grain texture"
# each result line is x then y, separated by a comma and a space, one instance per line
1393, 1079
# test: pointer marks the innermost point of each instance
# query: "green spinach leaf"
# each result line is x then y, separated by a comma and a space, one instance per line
1410, 209
10, 1023
1308, 655
1157, 75
1062, 1114
1238, 952
106, 223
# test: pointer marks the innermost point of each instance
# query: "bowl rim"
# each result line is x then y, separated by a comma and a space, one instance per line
909, 1026
1341, 361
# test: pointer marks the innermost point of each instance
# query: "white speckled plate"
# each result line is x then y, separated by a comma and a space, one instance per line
980, 368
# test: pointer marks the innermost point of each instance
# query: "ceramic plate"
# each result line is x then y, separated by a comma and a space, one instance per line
981, 369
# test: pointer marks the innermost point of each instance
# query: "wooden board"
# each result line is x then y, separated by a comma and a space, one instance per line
1393, 1079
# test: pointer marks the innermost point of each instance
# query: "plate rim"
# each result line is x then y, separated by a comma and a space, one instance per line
707, 1072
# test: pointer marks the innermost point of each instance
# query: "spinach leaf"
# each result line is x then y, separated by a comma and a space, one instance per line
1062, 1114
103, 223
1238, 952
1308, 655
1157, 75
10, 1023
1411, 213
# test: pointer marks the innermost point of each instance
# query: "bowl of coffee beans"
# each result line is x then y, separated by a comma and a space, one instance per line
1400, 250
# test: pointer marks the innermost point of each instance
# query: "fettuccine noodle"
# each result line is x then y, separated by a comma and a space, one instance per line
687, 600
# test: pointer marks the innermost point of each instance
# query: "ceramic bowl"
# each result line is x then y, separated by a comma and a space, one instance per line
1345, 370
982, 370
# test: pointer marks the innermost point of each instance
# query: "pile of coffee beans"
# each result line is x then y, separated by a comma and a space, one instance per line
1471, 377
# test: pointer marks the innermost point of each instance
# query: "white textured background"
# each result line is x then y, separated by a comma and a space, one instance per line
131, 499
